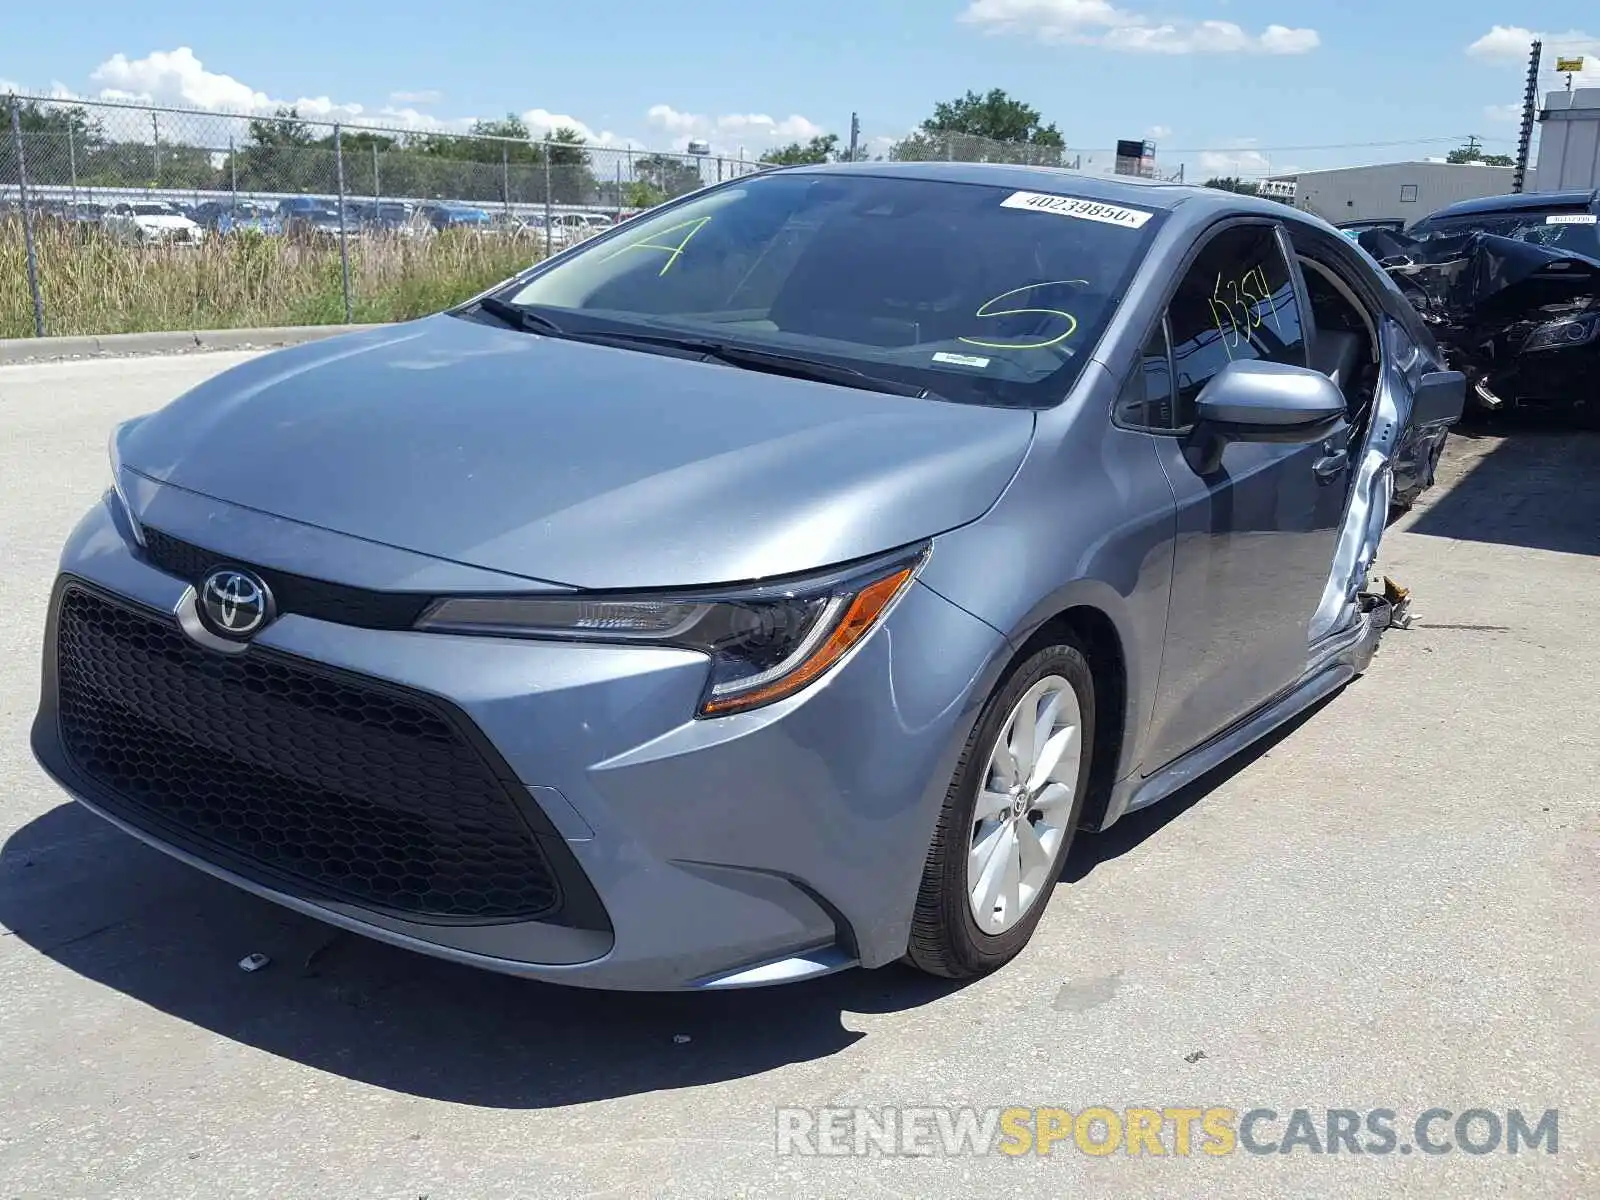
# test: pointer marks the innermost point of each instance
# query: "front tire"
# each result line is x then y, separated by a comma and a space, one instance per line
1008, 818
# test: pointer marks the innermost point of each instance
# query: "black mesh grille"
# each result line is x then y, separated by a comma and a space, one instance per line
293, 593
363, 792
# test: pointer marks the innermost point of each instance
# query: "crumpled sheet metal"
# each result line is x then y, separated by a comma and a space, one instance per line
1476, 277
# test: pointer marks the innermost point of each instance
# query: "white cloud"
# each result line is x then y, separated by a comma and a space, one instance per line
1099, 23
1510, 45
542, 123
735, 127
664, 116
1503, 113
178, 78
1504, 43
1156, 132
1237, 159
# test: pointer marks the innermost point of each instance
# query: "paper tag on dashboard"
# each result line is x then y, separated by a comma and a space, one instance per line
960, 360
1084, 210
1571, 219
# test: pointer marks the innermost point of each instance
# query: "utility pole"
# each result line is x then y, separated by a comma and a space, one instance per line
1530, 102
855, 136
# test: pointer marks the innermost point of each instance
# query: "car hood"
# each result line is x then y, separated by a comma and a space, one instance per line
577, 464
152, 222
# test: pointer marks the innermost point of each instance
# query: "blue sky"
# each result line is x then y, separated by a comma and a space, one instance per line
1243, 86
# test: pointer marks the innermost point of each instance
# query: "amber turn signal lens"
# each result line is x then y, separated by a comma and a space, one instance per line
858, 619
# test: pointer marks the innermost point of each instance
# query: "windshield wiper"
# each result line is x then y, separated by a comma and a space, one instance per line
518, 317
745, 357
770, 361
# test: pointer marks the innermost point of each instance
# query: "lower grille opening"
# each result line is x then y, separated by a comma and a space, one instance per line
362, 791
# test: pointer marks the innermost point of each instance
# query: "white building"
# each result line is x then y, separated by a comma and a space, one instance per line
1569, 141
1405, 190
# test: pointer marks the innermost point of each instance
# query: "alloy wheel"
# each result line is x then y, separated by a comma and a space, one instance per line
1024, 805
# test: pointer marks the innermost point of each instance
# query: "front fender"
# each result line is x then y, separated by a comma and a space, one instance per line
1088, 521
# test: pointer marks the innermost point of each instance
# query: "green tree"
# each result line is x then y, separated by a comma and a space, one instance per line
640, 194
281, 153
992, 127
571, 179
1231, 183
1472, 152
55, 137
995, 116
667, 176
817, 150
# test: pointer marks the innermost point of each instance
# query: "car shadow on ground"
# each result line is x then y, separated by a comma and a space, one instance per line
111, 909
102, 904
1538, 487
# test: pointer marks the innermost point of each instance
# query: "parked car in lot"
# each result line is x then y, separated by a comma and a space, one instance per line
312, 220
770, 585
1511, 287
388, 218
238, 216
441, 217
151, 222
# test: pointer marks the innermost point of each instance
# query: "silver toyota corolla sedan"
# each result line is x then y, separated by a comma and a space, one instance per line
770, 585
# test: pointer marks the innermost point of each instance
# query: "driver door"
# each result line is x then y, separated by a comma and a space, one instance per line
1255, 535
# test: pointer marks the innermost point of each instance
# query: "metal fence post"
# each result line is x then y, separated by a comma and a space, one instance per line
548, 232
233, 177
376, 194
72, 160
27, 222
505, 177
619, 191
155, 150
344, 244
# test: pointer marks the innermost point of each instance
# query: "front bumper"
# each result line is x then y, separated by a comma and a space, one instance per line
759, 848
1556, 380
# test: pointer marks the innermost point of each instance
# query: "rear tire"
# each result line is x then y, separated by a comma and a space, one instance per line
987, 879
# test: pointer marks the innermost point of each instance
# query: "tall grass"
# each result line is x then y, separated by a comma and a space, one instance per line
93, 284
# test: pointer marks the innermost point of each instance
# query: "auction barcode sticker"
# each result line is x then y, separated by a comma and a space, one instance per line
1084, 210
1571, 219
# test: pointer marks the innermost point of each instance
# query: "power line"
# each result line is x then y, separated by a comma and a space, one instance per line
1454, 139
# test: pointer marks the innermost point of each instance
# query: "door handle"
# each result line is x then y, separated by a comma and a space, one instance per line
1331, 466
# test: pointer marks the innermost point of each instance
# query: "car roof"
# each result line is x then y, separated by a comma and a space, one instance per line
1518, 202
1109, 189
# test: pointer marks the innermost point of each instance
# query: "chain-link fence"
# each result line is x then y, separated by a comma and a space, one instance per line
95, 194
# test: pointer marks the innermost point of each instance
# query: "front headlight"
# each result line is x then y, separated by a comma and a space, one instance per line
1557, 335
765, 643
114, 452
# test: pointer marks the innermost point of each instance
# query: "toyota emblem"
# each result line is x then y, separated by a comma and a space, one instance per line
235, 603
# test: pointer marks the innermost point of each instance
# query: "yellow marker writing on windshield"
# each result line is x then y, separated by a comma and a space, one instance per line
988, 310
649, 243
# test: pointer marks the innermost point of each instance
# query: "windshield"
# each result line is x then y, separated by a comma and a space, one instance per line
154, 210
977, 293
1572, 231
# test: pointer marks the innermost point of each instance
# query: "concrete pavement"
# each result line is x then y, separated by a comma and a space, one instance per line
1390, 906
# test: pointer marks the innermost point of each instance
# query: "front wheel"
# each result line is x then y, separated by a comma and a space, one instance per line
1008, 818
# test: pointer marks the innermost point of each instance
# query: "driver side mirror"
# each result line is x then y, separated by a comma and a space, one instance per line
1255, 401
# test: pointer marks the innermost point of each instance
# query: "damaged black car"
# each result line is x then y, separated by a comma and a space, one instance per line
1510, 287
